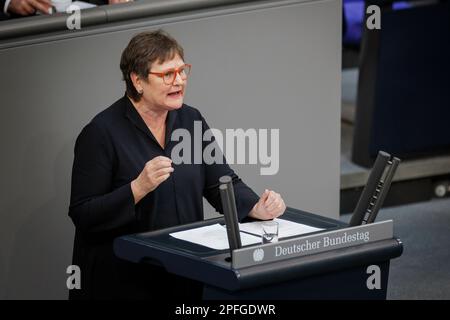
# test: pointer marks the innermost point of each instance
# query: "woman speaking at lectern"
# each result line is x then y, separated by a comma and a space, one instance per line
124, 181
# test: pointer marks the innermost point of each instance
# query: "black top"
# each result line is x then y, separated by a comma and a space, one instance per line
110, 152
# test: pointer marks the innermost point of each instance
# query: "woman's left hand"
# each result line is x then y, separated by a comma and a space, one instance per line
269, 206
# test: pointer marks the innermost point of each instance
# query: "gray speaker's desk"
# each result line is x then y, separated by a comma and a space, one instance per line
336, 274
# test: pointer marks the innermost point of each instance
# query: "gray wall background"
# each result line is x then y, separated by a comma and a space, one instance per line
254, 66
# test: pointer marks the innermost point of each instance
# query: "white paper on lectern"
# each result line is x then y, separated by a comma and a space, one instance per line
213, 236
83, 5
285, 228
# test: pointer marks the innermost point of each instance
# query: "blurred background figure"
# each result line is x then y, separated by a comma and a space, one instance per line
395, 97
23, 8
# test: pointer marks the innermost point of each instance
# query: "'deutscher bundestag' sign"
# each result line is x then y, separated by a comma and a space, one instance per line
316, 243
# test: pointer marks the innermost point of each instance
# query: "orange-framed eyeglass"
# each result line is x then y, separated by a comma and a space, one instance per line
170, 75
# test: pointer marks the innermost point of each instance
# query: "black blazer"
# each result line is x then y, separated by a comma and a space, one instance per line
110, 152
3, 16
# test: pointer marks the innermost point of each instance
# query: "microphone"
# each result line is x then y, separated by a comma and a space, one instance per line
376, 189
230, 212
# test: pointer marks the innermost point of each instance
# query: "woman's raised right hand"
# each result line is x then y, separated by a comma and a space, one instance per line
154, 173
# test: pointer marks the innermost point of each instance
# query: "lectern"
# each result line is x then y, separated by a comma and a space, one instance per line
338, 262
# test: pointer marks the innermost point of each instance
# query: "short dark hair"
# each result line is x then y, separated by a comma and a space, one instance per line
142, 51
